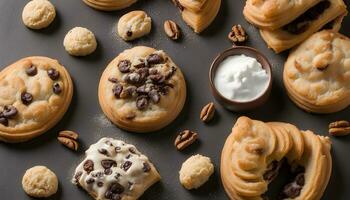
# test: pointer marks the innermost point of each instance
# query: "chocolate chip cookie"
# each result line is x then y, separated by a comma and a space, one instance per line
35, 92
115, 170
142, 90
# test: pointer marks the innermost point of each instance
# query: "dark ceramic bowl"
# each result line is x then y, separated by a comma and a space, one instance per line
240, 105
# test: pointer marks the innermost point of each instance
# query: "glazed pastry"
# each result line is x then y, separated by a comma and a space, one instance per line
328, 14
40, 182
134, 24
142, 90
109, 5
113, 170
198, 14
317, 73
254, 152
35, 92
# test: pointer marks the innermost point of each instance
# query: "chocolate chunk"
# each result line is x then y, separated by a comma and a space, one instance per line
88, 166
113, 190
132, 150
3, 120
56, 88
154, 59
143, 73
108, 163
126, 165
31, 71
103, 151
78, 175
26, 98
154, 96
100, 184
142, 89
90, 181
146, 167
141, 102
53, 74
157, 78
117, 149
128, 92
108, 171
124, 66
117, 90
129, 33
9, 112
133, 78
113, 80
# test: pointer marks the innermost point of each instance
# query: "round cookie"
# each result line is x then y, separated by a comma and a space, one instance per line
134, 24
254, 152
195, 171
35, 92
39, 182
317, 73
109, 5
80, 42
142, 90
38, 14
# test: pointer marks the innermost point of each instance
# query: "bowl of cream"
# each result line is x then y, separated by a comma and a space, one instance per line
240, 78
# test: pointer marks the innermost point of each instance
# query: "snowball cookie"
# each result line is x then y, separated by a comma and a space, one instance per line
38, 14
80, 42
195, 171
40, 182
134, 24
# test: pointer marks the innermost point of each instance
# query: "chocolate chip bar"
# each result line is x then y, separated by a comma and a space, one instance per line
115, 170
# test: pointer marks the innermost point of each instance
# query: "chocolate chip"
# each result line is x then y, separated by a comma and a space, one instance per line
88, 166
113, 80
146, 167
108, 163
103, 151
157, 78
56, 88
129, 33
143, 73
53, 74
154, 59
154, 96
117, 90
128, 156
132, 150
100, 184
26, 98
78, 175
124, 66
3, 120
126, 165
117, 149
128, 92
114, 188
9, 112
31, 71
133, 78
108, 171
141, 102
90, 181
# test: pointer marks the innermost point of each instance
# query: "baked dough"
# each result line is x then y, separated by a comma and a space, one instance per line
38, 14
142, 90
198, 14
134, 24
317, 73
195, 171
80, 42
114, 169
35, 92
281, 39
109, 5
40, 182
253, 152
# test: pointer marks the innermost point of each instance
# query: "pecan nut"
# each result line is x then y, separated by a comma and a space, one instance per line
207, 112
172, 30
339, 128
185, 139
69, 139
237, 34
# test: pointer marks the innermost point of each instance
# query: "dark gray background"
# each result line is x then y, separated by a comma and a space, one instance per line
194, 53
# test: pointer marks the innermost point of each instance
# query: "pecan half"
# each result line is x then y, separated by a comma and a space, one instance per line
339, 128
69, 139
237, 34
172, 30
185, 139
207, 112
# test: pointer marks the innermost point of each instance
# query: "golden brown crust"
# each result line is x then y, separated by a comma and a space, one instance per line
46, 108
109, 5
316, 73
253, 146
124, 111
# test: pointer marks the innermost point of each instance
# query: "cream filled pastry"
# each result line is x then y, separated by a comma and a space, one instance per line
317, 73
254, 152
198, 14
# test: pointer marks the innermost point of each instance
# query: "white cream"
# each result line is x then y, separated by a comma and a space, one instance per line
241, 78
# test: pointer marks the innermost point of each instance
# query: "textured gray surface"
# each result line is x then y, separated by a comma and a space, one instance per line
193, 53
